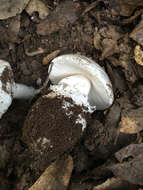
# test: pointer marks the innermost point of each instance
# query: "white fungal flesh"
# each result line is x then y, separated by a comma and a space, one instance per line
9, 89
67, 105
5, 100
82, 121
3, 65
21, 91
101, 94
5, 89
77, 88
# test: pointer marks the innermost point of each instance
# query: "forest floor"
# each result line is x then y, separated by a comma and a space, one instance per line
110, 153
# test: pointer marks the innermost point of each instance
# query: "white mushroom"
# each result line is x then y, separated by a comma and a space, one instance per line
9, 89
79, 87
83, 80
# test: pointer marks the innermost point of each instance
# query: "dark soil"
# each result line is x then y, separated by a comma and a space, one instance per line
50, 130
104, 30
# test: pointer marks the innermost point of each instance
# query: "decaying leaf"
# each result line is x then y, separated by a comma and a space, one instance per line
105, 39
124, 8
137, 33
109, 48
13, 28
97, 39
131, 151
56, 176
124, 60
131, 171
113, 184
131, 121
37, 6
63, 15
138, 55
10, 8
132, 18
137, 95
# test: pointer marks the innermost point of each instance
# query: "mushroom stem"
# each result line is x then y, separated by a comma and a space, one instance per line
23, 91
76, 87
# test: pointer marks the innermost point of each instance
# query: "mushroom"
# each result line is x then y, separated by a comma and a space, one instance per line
83, 75
58, 118
9, 89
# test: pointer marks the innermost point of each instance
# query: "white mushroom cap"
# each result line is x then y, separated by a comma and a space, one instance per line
9, 89
100, 94
6, 91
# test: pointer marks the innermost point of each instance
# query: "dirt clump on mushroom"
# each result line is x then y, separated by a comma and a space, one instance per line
6, 77
51, 128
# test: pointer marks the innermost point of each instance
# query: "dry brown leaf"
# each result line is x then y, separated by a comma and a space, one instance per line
131, 121
37, 6
124, 8
113, 184
63, 15
131, 171
137, 33
56, 176
10, 8
109, 48
138, 55
105, 39
131, 150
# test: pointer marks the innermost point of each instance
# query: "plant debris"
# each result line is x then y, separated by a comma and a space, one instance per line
56, 176
11, 8
137, 33
37, 6
108, 155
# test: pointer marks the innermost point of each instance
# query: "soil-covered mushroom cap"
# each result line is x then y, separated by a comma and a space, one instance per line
6, 83
101, 94
9, 89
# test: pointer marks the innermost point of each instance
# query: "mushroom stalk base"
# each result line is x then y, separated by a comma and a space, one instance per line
23, 91
53, 125
77, 88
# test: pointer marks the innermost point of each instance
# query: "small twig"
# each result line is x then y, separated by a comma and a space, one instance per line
129, 20
90, 7
47, 79
50, 57
36, 52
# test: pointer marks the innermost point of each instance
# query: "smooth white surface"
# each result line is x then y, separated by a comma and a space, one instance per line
101, 94
21, 91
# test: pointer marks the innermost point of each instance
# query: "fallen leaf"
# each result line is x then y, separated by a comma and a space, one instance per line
56, 176
37, 6
105, 39
109, 48
113, 184
131, 151
10, 8
124, 8
131, 171
137, 33
138, 55
60, 18
13, 28
131, 121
